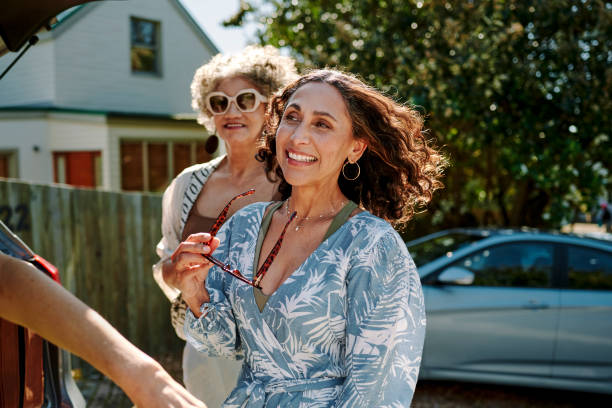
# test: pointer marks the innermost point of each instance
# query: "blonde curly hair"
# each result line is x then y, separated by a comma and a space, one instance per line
263, 66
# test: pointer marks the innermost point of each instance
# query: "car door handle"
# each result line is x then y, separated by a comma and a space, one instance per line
535, 305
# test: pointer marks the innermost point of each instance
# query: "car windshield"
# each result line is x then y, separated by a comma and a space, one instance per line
426, 251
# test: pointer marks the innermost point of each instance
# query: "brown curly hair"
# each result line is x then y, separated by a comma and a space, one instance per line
400, 169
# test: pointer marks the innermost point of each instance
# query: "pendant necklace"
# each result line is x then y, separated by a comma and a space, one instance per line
299, 225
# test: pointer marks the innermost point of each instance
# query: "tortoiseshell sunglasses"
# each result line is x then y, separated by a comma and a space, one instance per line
265, 266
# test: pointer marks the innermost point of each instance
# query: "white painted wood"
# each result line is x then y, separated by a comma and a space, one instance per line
67, 87
29, 139
93, 60
31, 80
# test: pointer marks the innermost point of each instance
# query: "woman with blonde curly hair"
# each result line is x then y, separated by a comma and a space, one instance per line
333, 316
230, 93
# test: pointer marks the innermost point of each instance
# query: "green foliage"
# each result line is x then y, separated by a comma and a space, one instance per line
517, 92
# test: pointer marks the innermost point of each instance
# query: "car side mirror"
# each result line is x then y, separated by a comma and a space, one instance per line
456, 275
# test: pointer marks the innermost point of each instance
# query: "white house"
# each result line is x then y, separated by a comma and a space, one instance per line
103, 99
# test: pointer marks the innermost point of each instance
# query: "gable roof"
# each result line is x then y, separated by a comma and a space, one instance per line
66, 18
187, 15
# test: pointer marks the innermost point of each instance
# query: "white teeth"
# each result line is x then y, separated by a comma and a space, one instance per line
300, 157
234, 125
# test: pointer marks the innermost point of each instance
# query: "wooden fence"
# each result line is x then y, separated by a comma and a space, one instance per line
103, 244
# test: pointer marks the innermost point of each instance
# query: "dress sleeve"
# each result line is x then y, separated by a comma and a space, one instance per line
385, 327
215, 331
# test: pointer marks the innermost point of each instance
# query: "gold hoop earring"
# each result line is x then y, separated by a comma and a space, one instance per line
351, 178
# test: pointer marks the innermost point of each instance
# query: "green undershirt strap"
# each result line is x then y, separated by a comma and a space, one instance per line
340, 219
260, 298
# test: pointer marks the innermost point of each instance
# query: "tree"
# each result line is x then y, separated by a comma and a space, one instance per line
517, 93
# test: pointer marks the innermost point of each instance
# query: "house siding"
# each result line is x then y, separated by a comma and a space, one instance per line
94, 72
29, 138
31, 80
74, 89
80, 132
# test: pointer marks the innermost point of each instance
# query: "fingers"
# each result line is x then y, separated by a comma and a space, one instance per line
191, 281
214, 244
199, 237
200, 243
191, 247
161, 391
205, 238
186, 260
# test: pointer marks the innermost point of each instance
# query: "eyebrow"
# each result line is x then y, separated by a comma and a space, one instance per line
319, 113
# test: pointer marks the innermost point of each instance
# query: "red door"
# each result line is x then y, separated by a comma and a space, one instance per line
81, 169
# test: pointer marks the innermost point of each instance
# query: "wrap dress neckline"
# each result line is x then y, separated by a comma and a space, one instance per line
343, 215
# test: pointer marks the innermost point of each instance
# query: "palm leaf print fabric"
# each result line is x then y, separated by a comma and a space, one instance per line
346, 329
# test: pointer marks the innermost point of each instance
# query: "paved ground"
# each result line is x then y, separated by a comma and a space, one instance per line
99, 392
445, 394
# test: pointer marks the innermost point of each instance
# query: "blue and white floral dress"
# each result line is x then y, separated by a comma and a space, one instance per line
346, 329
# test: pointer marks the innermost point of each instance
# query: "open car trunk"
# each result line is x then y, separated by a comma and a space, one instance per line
33, 372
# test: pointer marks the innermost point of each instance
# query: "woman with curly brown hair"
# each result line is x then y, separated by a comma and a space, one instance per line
334, 315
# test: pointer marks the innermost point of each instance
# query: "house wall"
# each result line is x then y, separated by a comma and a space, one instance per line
65, 132
28, 135
31, 80
84, 66
81, 132
93, 60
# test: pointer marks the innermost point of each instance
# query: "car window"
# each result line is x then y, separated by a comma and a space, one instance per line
525, 264
434, 248
588, 268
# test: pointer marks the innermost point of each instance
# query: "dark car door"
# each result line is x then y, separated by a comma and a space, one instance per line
502, 323
584, 345
33, 372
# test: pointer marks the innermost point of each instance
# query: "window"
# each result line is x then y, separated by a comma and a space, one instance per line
157, 154
525, 264
81, 169
8, 164
145, 50
588, 268
151, 165
427, 251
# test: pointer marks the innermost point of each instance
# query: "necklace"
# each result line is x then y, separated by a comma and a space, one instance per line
328, 214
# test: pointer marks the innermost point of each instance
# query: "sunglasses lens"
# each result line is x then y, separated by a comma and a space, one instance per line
246, 101
218, 103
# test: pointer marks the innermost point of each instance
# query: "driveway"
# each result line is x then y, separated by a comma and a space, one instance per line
447, 394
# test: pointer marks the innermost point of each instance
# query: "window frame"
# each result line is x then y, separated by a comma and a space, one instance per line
556, 273
564, 261
59, 156
171, 171
157, 48
13, 161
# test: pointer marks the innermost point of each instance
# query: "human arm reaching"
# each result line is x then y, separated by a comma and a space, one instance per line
31, 299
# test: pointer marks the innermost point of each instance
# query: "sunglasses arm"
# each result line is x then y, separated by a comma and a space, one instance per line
273, 252
225, 268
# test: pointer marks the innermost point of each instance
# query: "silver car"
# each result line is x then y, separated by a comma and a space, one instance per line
517, 307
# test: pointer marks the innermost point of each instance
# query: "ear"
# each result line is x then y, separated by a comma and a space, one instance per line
358, 146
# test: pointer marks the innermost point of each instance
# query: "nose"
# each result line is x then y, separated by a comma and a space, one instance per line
300, 134
233, 109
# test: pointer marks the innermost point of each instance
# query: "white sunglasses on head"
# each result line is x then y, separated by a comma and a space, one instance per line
246, 100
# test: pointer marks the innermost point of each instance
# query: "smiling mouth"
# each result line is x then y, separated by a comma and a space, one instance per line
233, 125
301, 157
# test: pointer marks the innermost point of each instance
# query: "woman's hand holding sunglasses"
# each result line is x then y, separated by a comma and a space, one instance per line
191, 268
